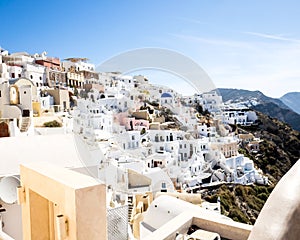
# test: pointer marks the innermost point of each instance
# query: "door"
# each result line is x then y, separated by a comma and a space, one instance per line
26, 113
4, 130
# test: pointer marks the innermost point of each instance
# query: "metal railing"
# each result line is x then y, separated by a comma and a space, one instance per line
117, 223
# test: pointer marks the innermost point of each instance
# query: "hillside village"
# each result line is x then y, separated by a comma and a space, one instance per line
139, 139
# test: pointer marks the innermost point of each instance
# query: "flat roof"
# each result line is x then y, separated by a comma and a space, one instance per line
64, 150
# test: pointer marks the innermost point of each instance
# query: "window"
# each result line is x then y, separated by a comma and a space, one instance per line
132, 137
0, 93
24, 92
163, 185
31, 77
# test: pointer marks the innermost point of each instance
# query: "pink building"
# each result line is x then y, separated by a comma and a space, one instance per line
131, 123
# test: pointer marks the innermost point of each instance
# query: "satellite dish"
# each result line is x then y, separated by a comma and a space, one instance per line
8, 189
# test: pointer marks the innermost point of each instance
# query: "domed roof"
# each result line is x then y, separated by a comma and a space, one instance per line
166, 95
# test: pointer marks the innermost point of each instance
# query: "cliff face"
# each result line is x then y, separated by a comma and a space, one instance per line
279, 150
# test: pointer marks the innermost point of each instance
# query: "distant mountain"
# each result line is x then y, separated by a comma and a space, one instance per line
292, 100
256, 100
252, 97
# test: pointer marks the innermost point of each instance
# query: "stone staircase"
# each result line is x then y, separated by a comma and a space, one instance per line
26, 121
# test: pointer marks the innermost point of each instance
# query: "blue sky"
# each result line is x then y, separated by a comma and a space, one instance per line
250, 44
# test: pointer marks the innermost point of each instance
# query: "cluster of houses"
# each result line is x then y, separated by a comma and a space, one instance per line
141, 138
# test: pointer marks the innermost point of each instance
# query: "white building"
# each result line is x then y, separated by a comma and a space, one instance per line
211, 101
16, 97
36, 73
89, 116
78, 66
239, 116
166, 99
244, 170
129, 140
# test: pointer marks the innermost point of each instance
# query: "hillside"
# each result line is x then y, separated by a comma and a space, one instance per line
258, 101
279, 150
285, 115
280, 147
292, 100
241, 95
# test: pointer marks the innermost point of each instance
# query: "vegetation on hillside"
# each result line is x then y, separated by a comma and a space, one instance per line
285, 115
241, 203
280, 146
279, 150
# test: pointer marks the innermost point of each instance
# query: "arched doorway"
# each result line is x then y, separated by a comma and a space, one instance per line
4, 130
14, 95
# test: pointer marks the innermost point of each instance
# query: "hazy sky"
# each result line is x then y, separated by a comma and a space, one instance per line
249, 44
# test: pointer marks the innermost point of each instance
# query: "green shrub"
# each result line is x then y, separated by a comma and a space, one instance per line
53, 123
255, 203
237, 215
263, 196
